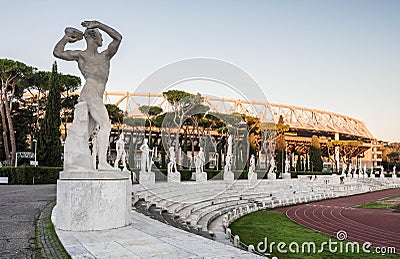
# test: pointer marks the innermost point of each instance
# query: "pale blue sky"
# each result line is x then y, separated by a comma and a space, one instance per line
339, 56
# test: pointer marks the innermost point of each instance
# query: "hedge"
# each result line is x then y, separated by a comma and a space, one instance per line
30, 174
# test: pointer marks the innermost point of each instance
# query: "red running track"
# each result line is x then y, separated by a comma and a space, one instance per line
379, 227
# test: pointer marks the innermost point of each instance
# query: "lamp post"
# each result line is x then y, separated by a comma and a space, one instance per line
35, 141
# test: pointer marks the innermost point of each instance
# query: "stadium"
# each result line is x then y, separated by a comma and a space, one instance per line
343, 139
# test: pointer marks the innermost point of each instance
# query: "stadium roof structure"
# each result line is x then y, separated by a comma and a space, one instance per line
299, 118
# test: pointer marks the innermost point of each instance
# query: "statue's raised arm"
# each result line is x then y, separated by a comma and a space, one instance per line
116, 36
71, 35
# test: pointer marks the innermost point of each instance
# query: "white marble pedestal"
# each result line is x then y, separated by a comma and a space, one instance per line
271, 176
372, 175
147, 178
286, 176
174, 177
229, 176
95, 200
201, 177
252, 179
252, 176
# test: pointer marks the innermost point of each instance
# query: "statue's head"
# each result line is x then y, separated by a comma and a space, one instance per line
93, 35
121, 136
146, 140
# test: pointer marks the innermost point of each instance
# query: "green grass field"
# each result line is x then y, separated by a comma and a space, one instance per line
276, 227
379, 205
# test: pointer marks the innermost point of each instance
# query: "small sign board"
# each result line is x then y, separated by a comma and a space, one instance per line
25, 155
3, 180
35, 163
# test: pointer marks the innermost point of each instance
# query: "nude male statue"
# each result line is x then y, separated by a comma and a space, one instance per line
121, 154
145, 160
95, 68
199, 161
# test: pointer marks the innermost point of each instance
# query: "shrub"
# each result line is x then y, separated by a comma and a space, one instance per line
29, 174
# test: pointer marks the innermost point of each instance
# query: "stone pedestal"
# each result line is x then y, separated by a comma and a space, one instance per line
229, 176
174, 177
271, 176
286, 176
252, 179
147, 178
394, 176
201, 177
372, 175
382, 175
93, 201
252, 176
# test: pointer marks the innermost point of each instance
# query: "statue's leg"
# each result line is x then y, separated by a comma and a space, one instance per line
99, 114
123, 158
143, 165
116, 162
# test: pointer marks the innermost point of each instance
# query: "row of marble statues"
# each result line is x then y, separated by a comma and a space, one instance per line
200, 160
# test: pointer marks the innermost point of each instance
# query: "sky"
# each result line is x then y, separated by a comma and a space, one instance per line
341, 56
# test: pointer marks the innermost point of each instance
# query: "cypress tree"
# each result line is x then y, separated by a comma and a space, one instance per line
131, 156
49, 143
298, 164
185, 162
280, 153
315, 154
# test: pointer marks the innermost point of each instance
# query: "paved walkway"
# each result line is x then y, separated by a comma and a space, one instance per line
46, 238
20, 207
145, 238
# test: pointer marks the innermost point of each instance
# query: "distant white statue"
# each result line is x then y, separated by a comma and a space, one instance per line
394, 169
199, 161
228, 158
350, 168
365, 168
344, 167
172, 161
287, 165
272, 166
121, 154
94, 146
228, 163
229, 145
304, 164
382, 173
145, 159
252, 166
